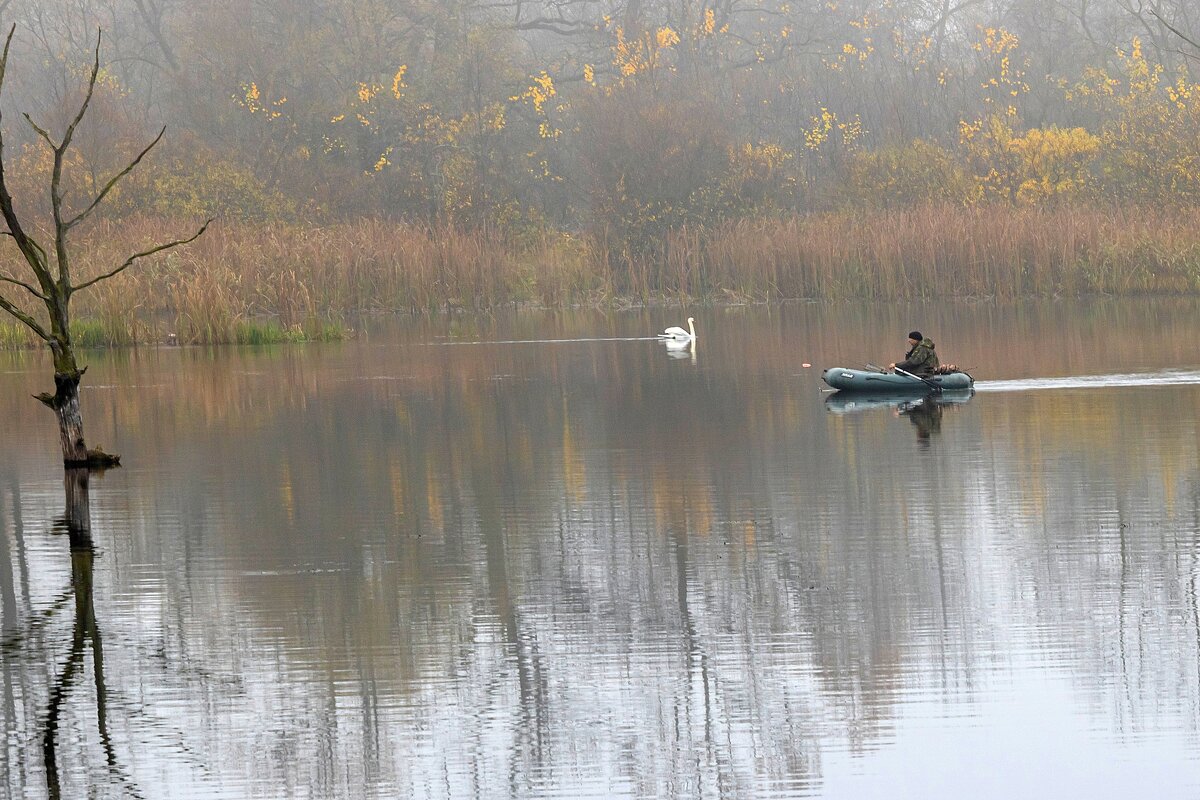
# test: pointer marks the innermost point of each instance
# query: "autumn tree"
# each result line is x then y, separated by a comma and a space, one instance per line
50, 279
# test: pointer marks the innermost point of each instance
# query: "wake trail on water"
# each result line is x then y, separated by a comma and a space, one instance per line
1171, 377
544, 341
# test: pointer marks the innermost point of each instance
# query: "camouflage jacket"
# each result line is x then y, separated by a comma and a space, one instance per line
921, 360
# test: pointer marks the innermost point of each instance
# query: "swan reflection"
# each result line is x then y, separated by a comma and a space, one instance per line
681, 348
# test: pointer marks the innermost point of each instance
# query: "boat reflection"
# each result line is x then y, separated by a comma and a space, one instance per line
852, 403
924, 412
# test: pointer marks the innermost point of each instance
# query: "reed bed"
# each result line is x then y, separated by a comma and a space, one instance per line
934, 253
243, 283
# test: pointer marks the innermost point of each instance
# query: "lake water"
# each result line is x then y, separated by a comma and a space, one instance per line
531, 556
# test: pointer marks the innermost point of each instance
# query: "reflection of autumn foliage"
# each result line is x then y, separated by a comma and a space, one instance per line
435, 494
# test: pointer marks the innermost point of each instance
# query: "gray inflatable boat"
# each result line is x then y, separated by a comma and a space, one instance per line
845, 379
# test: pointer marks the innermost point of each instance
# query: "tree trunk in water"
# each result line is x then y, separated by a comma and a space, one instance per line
65, 405
70, 421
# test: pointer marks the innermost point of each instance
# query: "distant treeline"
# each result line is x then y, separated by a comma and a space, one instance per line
635, 116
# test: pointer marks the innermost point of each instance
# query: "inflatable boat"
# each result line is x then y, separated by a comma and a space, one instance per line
845, 379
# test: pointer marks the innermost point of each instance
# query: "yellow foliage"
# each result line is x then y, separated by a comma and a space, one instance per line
632, 57
911, 174
1053, 163
539, 91
398, 82
1000, 77
1148, 142
251, 100
826, 128
666, 37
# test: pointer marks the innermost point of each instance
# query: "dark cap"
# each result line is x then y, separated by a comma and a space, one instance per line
915, 335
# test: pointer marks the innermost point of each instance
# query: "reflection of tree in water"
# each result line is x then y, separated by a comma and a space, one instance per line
75, 524
480, 581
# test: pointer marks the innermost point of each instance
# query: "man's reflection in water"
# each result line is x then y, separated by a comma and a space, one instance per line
926, 415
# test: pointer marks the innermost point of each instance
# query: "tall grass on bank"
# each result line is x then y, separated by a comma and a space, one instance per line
935, 252
286, 282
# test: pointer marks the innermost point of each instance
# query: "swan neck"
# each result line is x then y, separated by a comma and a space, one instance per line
691, 328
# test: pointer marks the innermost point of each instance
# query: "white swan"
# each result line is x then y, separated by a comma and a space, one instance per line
678, 333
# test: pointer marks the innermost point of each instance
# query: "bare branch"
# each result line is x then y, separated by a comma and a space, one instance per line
108, 187
40, 131
129, 261
1194, 43
27, 320
562, 27
154, 25
23, 285
34, 255
66, 142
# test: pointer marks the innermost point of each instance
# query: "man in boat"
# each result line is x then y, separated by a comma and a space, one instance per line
920, 358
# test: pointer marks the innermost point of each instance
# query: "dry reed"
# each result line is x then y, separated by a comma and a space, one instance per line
303, 279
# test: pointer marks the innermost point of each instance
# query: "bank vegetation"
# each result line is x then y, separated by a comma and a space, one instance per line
377, 157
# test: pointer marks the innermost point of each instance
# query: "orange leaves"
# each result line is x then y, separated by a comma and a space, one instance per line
539, 91
827, 128
644, 53
252, 100
666, 37
398, 82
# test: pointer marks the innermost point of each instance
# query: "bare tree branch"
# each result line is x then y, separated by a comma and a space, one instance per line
23, 285
34, 255
56, 191
154, 25
129, 261
87, 99
28, 321
108, 187
1194, 43
39, 130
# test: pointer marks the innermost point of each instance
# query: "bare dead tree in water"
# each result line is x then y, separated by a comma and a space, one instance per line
53, 283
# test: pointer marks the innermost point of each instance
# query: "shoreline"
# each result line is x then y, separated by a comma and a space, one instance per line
278, 282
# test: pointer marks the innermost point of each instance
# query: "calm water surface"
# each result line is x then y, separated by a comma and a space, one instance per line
444, 561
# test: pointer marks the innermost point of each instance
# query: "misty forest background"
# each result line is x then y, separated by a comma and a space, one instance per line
388, 154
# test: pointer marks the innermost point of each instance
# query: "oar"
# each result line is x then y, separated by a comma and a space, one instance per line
874, 368
931, 384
